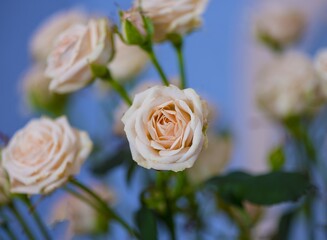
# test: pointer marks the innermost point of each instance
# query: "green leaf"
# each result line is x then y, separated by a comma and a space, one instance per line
277, 158
148, 25
103, 166
230, 187
267, 189
132, 35
147, 224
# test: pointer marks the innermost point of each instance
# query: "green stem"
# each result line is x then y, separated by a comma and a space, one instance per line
162, 183
104, 206
179, 50
156, 64
7, 229
21, 221
85, 200
121, 90
38, 220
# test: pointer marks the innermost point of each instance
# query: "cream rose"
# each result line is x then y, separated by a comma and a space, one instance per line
73, 52
44, 36
212, 160
4, 187
128, 61
173, 17
44, 154
118, 125
83, 219
281, 23
165, 127
288, 86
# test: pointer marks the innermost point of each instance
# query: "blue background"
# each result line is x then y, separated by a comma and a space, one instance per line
214, 68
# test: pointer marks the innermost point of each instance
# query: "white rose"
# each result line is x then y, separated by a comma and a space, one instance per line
35, 87
82, 217
44, 154
165, 128
4, 187
212, 160
43, 38
281, 23
288, 86
173, 17
74, 50
320, 64
128, 61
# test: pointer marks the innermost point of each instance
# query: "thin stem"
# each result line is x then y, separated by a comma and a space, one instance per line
7, 228
84, 199
121, 90
38, 220
181, 62
104, 206
157, 65
21, 221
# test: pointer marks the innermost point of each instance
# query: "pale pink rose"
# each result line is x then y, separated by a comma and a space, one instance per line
43, 38
44, 155
280, 22
4, 186
173, 17
74, 50
83, 218
165, 127
212, 159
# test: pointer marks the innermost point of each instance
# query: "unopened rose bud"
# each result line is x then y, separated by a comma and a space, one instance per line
133, 28
35, 86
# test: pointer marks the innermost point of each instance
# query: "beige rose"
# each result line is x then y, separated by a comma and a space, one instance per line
83, 219
173, 17
44, 36
35, 87
212, 160
4, 187
288, 86
73, 52
165, 127
128, 61
281, 23
44, 154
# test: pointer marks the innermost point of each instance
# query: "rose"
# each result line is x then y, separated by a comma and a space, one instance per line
42, 39
280, 24
288, 86
320, 64
118, 126
172, 17
165, 127
44, 155
74, 50
128, 61
212, 160
35, 87
83, 218
4, 187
